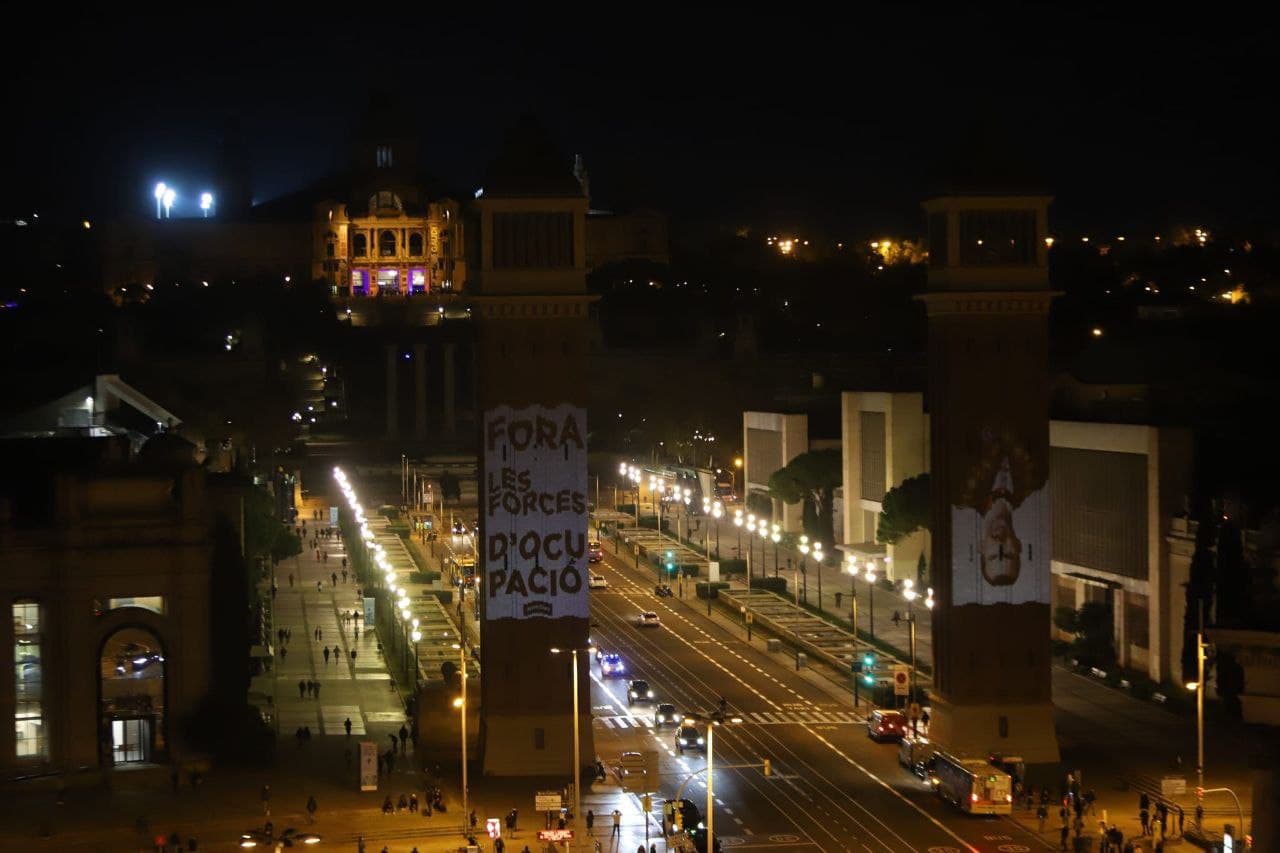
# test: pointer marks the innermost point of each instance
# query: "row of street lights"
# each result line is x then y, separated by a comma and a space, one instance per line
374, 550
166, 195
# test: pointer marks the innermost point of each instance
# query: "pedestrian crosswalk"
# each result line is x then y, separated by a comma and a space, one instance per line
761, 718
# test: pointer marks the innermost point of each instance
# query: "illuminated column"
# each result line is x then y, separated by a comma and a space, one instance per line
531, 321
988, 305
450, 391
393, 414
419, 390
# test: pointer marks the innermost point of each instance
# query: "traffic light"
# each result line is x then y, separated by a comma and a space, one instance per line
671, 565
679, 819
768, 767
868, 668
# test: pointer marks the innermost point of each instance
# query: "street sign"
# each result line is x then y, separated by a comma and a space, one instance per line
493, 826
1173, 786
914, 711
901, 680
555, 834
547, 801
713, 571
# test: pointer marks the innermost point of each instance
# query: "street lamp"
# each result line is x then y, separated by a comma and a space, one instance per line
910, 593
461, 704
871, 598
577, 742
852, 569
161, 189
1198, 687
775, 536
712, 719
737, 464
169, 195
206, 202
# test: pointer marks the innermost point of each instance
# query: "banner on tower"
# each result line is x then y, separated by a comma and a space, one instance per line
1000, 524
535, 512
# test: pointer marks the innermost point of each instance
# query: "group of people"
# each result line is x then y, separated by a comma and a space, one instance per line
307, 687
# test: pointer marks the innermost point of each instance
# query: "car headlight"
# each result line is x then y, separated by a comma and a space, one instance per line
650, 694
700, 741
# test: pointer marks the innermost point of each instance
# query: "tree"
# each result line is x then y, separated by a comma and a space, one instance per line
905, 510
450, 486
1199, 593
813, 478
1094, 644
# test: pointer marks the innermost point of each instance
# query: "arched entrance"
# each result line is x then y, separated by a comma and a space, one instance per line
131, 673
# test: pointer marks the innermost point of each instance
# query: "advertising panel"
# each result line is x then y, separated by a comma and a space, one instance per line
1000, 524
535, 512
368, 765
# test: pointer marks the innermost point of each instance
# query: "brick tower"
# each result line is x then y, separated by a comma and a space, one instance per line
988, 304
531, 308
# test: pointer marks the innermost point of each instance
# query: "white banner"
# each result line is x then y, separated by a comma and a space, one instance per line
535, 512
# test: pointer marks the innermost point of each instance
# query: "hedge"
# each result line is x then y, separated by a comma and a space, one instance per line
715, 588
775, 585
445, 595
424, 577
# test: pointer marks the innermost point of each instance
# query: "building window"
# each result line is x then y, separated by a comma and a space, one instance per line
415, 245
532, 240
359, 245
383, 157
387, 244
28, 715
873, 461
385, 200
998, 238
154, 603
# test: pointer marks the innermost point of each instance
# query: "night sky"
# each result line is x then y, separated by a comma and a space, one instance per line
785, 119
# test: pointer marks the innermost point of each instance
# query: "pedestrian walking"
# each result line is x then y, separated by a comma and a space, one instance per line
290, 578
311, 809
344, 564
344, 569
326, 655
319, 586
413, 803
266, 800
1041, 814
1063, 834
499, 845
317, 690
403, 803
357, 636
591, 820
334, 577
404, 739
1144, 818
346, 724
288, 634
471, 819
1180, 820
284, 651
353, 656
337, 652
617, 824
302, 689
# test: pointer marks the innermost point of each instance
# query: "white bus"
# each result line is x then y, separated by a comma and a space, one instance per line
972, 785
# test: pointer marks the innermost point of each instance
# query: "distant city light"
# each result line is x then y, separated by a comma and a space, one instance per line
1097, 331
1048, 241
161, 189
169, 196
206, 202
86, 225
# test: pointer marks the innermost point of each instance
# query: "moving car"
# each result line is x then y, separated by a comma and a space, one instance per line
595, 552
886, 725
687, 737
662, 590
639, 691
972, 785
667, 715
611, 664
648, 619
597, 582
914, 753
